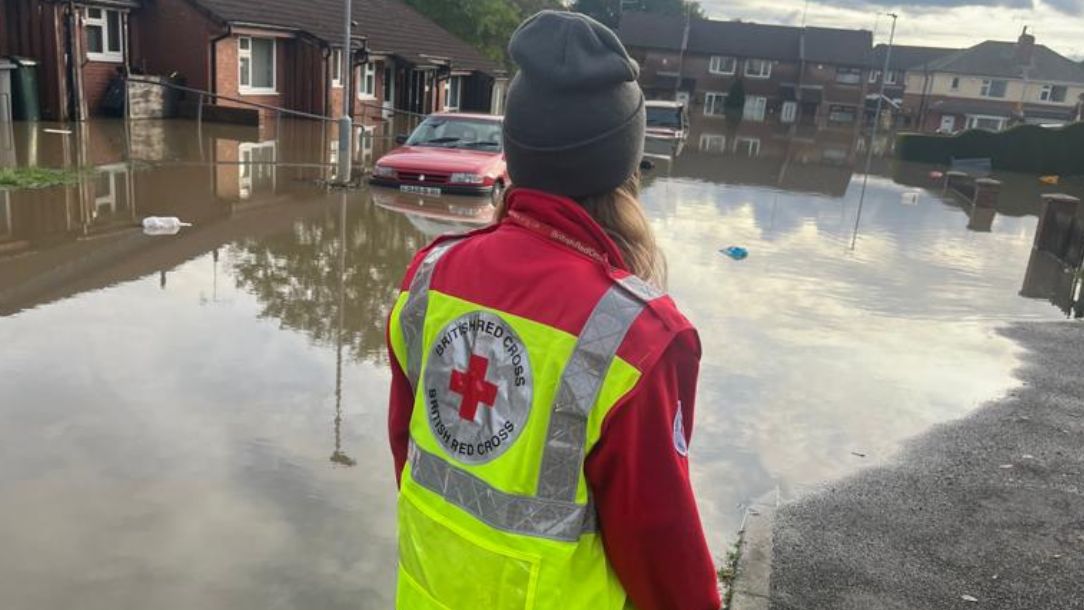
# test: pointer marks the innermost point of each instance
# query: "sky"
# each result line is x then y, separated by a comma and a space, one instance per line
950, 23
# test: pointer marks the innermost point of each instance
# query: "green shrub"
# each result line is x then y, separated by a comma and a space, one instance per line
1024, 148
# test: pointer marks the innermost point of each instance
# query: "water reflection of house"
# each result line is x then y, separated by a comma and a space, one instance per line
767, 155
805, 75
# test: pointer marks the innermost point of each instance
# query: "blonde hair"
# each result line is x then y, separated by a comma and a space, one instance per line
621, 216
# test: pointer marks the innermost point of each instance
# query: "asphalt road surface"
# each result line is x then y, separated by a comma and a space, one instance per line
985, 512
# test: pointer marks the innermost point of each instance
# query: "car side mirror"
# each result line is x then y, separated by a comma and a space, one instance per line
401, 138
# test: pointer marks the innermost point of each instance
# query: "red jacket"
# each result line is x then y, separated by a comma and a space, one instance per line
638, 472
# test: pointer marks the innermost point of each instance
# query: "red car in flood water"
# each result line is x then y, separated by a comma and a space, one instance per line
459, 154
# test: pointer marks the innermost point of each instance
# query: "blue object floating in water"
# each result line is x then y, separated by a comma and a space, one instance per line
735, 252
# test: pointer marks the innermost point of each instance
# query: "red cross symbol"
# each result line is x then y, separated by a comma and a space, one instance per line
473, 386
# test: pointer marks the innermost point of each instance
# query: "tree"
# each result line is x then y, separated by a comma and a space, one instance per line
734, 106
485, 24
609, 11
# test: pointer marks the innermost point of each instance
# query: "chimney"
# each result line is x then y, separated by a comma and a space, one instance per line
1025, 48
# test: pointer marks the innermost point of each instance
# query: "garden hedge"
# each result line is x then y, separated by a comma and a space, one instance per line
1024, 148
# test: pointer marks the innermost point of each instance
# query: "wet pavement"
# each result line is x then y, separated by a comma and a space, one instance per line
199, 420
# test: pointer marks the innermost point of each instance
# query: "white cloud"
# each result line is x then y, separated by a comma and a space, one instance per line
923, 24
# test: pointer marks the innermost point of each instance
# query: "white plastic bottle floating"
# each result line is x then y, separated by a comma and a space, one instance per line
909, 198
163, 225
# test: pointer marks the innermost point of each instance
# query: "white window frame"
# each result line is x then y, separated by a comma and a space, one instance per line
893, 77
453, 82
712, 142
243, 52
751, 146
714, 65
761, 73
756, 108
850, 72
988, 84
337, 68
708, 96
1046, 94
874, 75
973, 119
106, 54
789, 112
367, 81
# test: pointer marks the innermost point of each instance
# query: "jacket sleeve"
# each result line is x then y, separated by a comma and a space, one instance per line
639, 475
400, 409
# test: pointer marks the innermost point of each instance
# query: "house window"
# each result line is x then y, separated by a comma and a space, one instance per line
713, 104
367, 81
722, 65
750, 147
955, 83
1052, 93
993, 88
758, 68
789, 113
755, 107
712, 142
874, 75
256, 62
453, 92
893, 77
104, 38
841, 114
981, 121
849, 76
388, 79
337, 68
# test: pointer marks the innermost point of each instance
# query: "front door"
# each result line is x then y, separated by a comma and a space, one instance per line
948, 123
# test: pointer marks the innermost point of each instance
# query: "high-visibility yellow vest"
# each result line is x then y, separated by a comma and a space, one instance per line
494, 509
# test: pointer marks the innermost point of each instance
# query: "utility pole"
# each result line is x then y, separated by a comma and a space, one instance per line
873, 132
346, 127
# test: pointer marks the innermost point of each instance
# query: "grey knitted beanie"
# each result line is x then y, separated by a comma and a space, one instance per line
574, 120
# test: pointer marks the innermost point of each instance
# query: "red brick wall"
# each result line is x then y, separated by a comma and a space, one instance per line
175, 37
228, 74
96, 78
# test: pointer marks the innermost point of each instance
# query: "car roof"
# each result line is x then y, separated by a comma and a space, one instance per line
496, 118
663, 104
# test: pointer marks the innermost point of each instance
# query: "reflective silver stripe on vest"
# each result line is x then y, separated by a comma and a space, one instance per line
553, 513
580, 383
562, 521
412, 316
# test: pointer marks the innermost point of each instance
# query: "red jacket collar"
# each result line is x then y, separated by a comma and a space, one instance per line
566, 216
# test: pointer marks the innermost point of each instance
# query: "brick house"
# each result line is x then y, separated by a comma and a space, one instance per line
285, 53
102, 34
903, 61
801, 77
994, 85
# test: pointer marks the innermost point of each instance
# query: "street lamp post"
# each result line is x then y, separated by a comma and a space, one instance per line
346, 127
873, 132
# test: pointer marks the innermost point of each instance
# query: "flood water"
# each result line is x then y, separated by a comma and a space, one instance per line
198, 421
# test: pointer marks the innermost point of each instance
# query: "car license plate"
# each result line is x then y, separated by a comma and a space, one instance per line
420, 190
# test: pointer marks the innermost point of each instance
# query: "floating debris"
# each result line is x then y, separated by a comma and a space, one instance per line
63, 132
969, 598
163, 225
735, 252
857, 454
909, 198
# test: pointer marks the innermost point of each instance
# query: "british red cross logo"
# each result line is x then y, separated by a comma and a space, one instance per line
473, 387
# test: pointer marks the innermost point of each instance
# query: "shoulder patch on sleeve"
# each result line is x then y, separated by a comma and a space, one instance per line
680, 444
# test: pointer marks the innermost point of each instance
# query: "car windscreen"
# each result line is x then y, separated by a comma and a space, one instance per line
449, 132
664, 117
